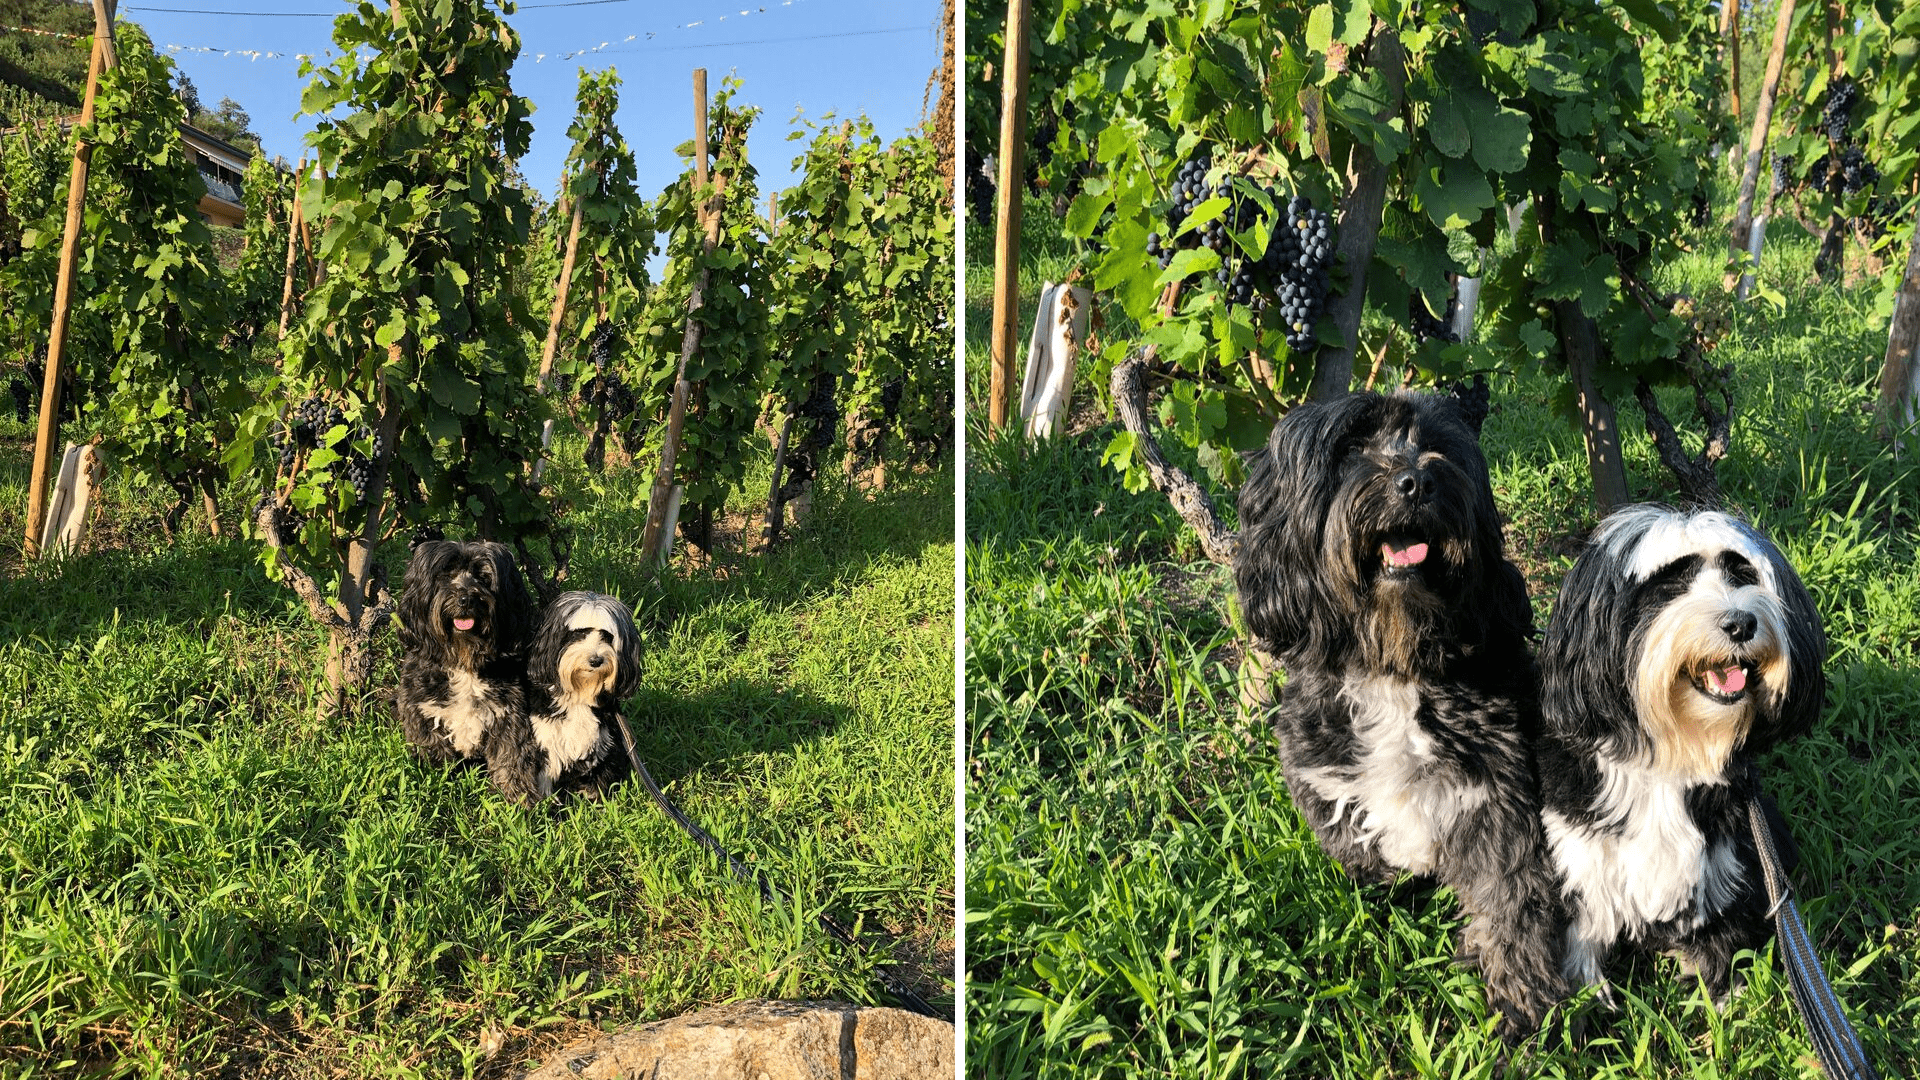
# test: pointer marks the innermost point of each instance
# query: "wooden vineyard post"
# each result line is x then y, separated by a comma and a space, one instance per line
317, 270
553, 330
1730, 31
48, 430
776, 507
1006, 246
296, 225
654, 541
1899, 405
1757, 141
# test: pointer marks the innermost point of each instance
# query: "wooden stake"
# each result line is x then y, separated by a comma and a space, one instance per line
657, 538
295, 225
1006, 247
317, 271
560, 298
776, 506
1899, 406
1730, 30
49, 427
553, 331
1757, 141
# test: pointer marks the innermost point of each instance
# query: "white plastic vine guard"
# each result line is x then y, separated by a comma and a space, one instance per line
673, 522
1756, 236
81, 472
1059, 330
1467, 294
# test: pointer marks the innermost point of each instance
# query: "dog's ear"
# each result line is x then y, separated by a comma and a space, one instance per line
629, 676
1283, 508
418, 586
513, 611
543, 658
1807, 653
1585, 684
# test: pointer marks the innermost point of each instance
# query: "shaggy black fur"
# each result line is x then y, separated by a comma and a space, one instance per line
1410, 700
1588, 667
461, 694
588, 633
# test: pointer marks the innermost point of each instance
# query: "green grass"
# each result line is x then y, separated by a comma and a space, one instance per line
1143, 900
196, 878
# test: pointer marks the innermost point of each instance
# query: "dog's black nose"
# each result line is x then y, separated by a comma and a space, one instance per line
596, 660
1739, 625
1413, 484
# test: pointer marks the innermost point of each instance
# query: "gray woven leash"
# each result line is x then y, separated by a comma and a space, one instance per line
1833, 1038
890, 982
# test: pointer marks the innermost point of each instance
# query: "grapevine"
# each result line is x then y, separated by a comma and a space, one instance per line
729, 365
826, 237
610, 281
415, 331
152, 375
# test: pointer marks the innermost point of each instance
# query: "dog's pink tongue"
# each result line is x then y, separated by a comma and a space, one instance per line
463, 624
1731, 681
1411, 555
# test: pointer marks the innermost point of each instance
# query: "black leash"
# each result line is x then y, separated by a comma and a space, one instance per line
1833, 1038
900, 991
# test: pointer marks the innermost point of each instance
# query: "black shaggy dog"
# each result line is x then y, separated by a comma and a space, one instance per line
1371, 565
585, 661
1683, 647
464, 621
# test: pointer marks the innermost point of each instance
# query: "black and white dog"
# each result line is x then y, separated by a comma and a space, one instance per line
1682, 647
1371, 564
465, 617
585, 661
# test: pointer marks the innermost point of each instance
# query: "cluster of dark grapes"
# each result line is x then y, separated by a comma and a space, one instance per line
426, 534
286, 519
26, 391
303, 428
1425, 324
1475, 399
1838, 110
979, 185
357, 468
1856, 172
22, 398
1702, 209
1781, 178
819, 415
1293, 271
1853, 173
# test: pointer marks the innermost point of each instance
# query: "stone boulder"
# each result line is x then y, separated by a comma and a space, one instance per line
766, 1040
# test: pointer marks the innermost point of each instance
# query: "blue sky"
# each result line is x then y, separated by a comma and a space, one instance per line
819, 56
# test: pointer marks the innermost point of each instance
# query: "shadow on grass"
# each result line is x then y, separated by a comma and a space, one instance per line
188, 583
848, 534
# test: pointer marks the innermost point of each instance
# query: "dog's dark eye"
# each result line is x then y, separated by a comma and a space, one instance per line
1738, 569
1672, 579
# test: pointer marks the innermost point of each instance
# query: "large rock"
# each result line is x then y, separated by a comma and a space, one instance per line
766, 1040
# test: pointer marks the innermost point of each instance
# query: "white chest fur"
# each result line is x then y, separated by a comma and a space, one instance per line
566, 736
1642, 861
1398, 798
468, 710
